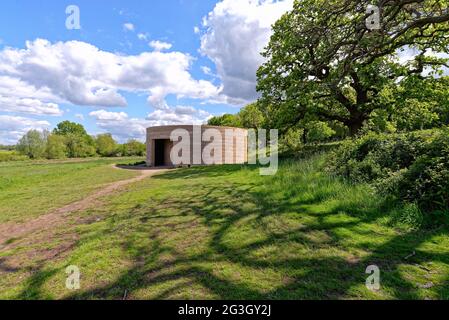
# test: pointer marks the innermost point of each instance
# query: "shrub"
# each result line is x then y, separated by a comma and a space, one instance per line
6, 156
414, 167
133, 148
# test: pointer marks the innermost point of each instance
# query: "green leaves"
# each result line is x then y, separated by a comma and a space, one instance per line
66, 128
413, 167
322, 61
33, 143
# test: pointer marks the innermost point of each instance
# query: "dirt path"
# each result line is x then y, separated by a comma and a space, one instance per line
56, 217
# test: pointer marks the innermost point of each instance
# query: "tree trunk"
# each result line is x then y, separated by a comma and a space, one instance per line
355, 126
304, 136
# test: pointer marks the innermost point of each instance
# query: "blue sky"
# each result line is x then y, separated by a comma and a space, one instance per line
132, 64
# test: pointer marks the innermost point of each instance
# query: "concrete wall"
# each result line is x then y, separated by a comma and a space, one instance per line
233, 151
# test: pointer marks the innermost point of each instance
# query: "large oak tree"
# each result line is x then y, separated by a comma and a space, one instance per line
324, 62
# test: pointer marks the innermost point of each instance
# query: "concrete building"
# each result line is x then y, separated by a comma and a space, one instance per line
206, 145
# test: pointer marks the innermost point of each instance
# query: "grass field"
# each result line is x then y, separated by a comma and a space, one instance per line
30, 188
215, 232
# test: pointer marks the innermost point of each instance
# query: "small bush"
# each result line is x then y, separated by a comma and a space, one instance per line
414, 167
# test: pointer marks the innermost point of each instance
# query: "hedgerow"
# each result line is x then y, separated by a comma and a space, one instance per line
414, 167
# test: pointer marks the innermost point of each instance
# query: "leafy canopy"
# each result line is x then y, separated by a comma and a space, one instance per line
323, 61
106, 145
33, 144
66, 128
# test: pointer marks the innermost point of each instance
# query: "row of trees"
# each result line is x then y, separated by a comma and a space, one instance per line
7, 147
70, 140
312, 131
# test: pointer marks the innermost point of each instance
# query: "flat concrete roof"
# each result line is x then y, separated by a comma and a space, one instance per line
192, 125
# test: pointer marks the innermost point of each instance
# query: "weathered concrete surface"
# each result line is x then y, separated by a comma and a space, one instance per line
234, 146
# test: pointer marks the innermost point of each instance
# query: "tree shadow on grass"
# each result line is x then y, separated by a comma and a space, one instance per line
224, 211
33, 286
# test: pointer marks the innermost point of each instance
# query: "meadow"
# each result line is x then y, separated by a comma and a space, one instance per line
222, 232
30, 188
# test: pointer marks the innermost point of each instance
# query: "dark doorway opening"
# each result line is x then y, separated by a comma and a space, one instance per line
159, 153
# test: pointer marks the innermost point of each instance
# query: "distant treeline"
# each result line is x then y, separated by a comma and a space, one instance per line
70, 140
7, 148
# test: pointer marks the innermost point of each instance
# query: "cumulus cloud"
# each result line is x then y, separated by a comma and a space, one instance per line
160, 45
104, 115
236, 32
122, 127
28, 105
178, 115
185, 110
19, 97
12, 128
79, 73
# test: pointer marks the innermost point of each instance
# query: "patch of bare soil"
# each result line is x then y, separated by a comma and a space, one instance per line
9, 232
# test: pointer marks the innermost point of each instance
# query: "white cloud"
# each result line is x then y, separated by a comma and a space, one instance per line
104, 115
29, 105
18, 96
236, 32
142, 36
207, 71
185, 110
159, 45
196, 30
13, 128
128, 27
178, 115
81, 74
122, 127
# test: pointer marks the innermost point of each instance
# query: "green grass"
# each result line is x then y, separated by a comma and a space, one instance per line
226, 232
31, 188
